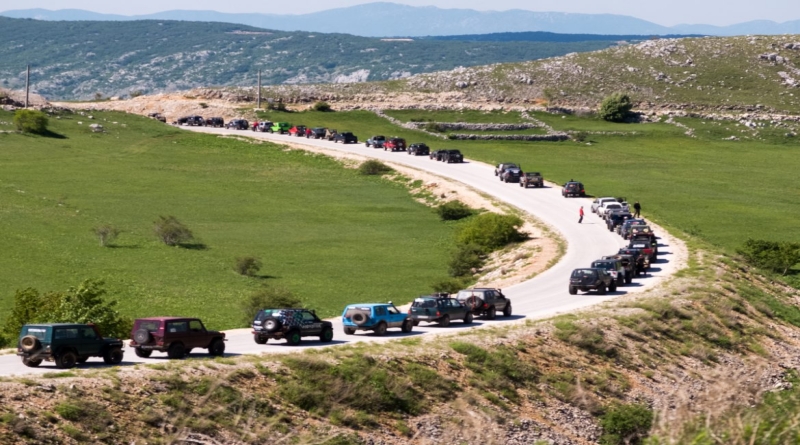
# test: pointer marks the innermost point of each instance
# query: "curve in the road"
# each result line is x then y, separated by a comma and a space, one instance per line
542, 296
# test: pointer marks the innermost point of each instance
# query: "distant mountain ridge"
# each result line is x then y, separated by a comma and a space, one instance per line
382, 19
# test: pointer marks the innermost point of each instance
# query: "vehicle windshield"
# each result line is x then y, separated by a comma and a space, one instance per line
424, 303
603, 265
150, 325
37, 331
580, 273
466, 294
262, 315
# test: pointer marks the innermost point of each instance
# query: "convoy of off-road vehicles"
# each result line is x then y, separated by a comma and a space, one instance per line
69, 345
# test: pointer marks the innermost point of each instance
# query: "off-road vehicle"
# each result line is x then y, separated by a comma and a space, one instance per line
394, 144
215, 122
573, 188
438, 309
298, 130
642, 261
330, 134
263, 127
238, 124
317, 133
280, 127
624, 229
511, 174
157, 116
345, 137
647, 243
531, 179
376, 141
628, 263
452, 156
586, 280
176, 336
498, 171
615, 268
616, 219
418, 150
437, 154
66, 345
376, 317
291, 324
485, 302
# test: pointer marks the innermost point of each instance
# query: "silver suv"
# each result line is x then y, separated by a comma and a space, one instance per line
485, 302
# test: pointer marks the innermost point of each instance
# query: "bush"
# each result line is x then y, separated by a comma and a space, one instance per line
615, 108
491, 231
135, 94
453, 211
203, 105
30, 121
106, 234
265, 298
171, 231
247, 266
322, 106
434, 127
465, 259
373, 167
774, 256
450, 285
626, 424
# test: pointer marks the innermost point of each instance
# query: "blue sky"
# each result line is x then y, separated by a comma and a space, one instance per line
663, 12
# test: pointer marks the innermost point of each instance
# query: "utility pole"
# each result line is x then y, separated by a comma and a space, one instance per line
259, 89
27, 85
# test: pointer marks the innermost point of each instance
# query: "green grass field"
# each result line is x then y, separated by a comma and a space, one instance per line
721, 191
328, 234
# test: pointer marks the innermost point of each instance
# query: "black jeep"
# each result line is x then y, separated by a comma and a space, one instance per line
628, 263
437, 155
418, 150
215, 122
452, 156
616, 218
640, 259
591, 279
238, 124
291, 324
66, 344
317, 133
498, 171
511, 174
345, 137
485, 302
573, 188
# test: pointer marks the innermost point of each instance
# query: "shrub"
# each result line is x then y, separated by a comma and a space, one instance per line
267, 297
322, 106
626, 424
434, 127
453, 211
247, 266
450, 285
615, 107
98, 96
581, 136
465, 259
373, 167
171, 231
106, 234
774, 256
203, 105
30, 121
135, 94
491, 231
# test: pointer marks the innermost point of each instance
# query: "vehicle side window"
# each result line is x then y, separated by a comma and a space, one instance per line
177, 326
308, 316
196, 326
454, 303
393, 310
88, 333
150, 326
380, 310
40, 333
65, 333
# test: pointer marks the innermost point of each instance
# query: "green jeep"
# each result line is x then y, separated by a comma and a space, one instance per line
66, 344
280, 127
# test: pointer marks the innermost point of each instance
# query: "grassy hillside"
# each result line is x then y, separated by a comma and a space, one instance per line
721, 191
321, 230
78, 59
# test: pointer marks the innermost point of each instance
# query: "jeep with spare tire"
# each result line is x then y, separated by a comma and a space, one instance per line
290, 324
66, 344
441, 309
176, 336
375, 317
485, 302
590, 279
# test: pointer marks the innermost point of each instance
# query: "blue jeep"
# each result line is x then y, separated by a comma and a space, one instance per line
376, 317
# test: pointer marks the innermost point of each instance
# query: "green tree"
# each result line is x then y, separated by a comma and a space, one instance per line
30, 121
615, 108
626, 424
776, 256
453, 211
322, 106
171, 231
268, 297
491, 231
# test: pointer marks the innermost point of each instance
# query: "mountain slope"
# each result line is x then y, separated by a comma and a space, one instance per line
383, 19
79, 59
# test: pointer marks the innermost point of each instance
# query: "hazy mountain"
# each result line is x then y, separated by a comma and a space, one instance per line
384, 19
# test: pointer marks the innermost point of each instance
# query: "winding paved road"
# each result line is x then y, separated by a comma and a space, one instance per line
543, 296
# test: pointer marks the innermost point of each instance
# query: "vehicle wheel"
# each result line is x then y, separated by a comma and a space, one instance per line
29, 343
259, 339
142, 336
216, 348
143, 353
271, 324
326, 336
602, 289
31, 362
628, 279
468, 318
408, 326
67, 360
366, 145
113, 356
176, 351
294, 338
620, 281
491, 313
613, 287
359, 318
573, 290
444, 321
507, 310
415, 322
349, 331
381, 329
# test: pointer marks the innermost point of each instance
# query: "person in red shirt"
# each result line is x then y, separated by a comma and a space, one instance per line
580, 213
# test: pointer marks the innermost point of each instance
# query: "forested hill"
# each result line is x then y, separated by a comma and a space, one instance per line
78, 59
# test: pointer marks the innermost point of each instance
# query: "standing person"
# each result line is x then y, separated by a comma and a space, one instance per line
637, 208
580, 213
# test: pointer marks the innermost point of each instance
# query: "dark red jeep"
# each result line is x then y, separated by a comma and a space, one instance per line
176, 336
395, 144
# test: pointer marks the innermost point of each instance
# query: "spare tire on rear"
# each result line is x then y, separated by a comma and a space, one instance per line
271, 324
473, 302
142, 336
359, 318
29, 343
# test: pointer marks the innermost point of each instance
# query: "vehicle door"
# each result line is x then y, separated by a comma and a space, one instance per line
310, 324
177, 330
197, 336
395, 316
457, 310
89, 343
66, 337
